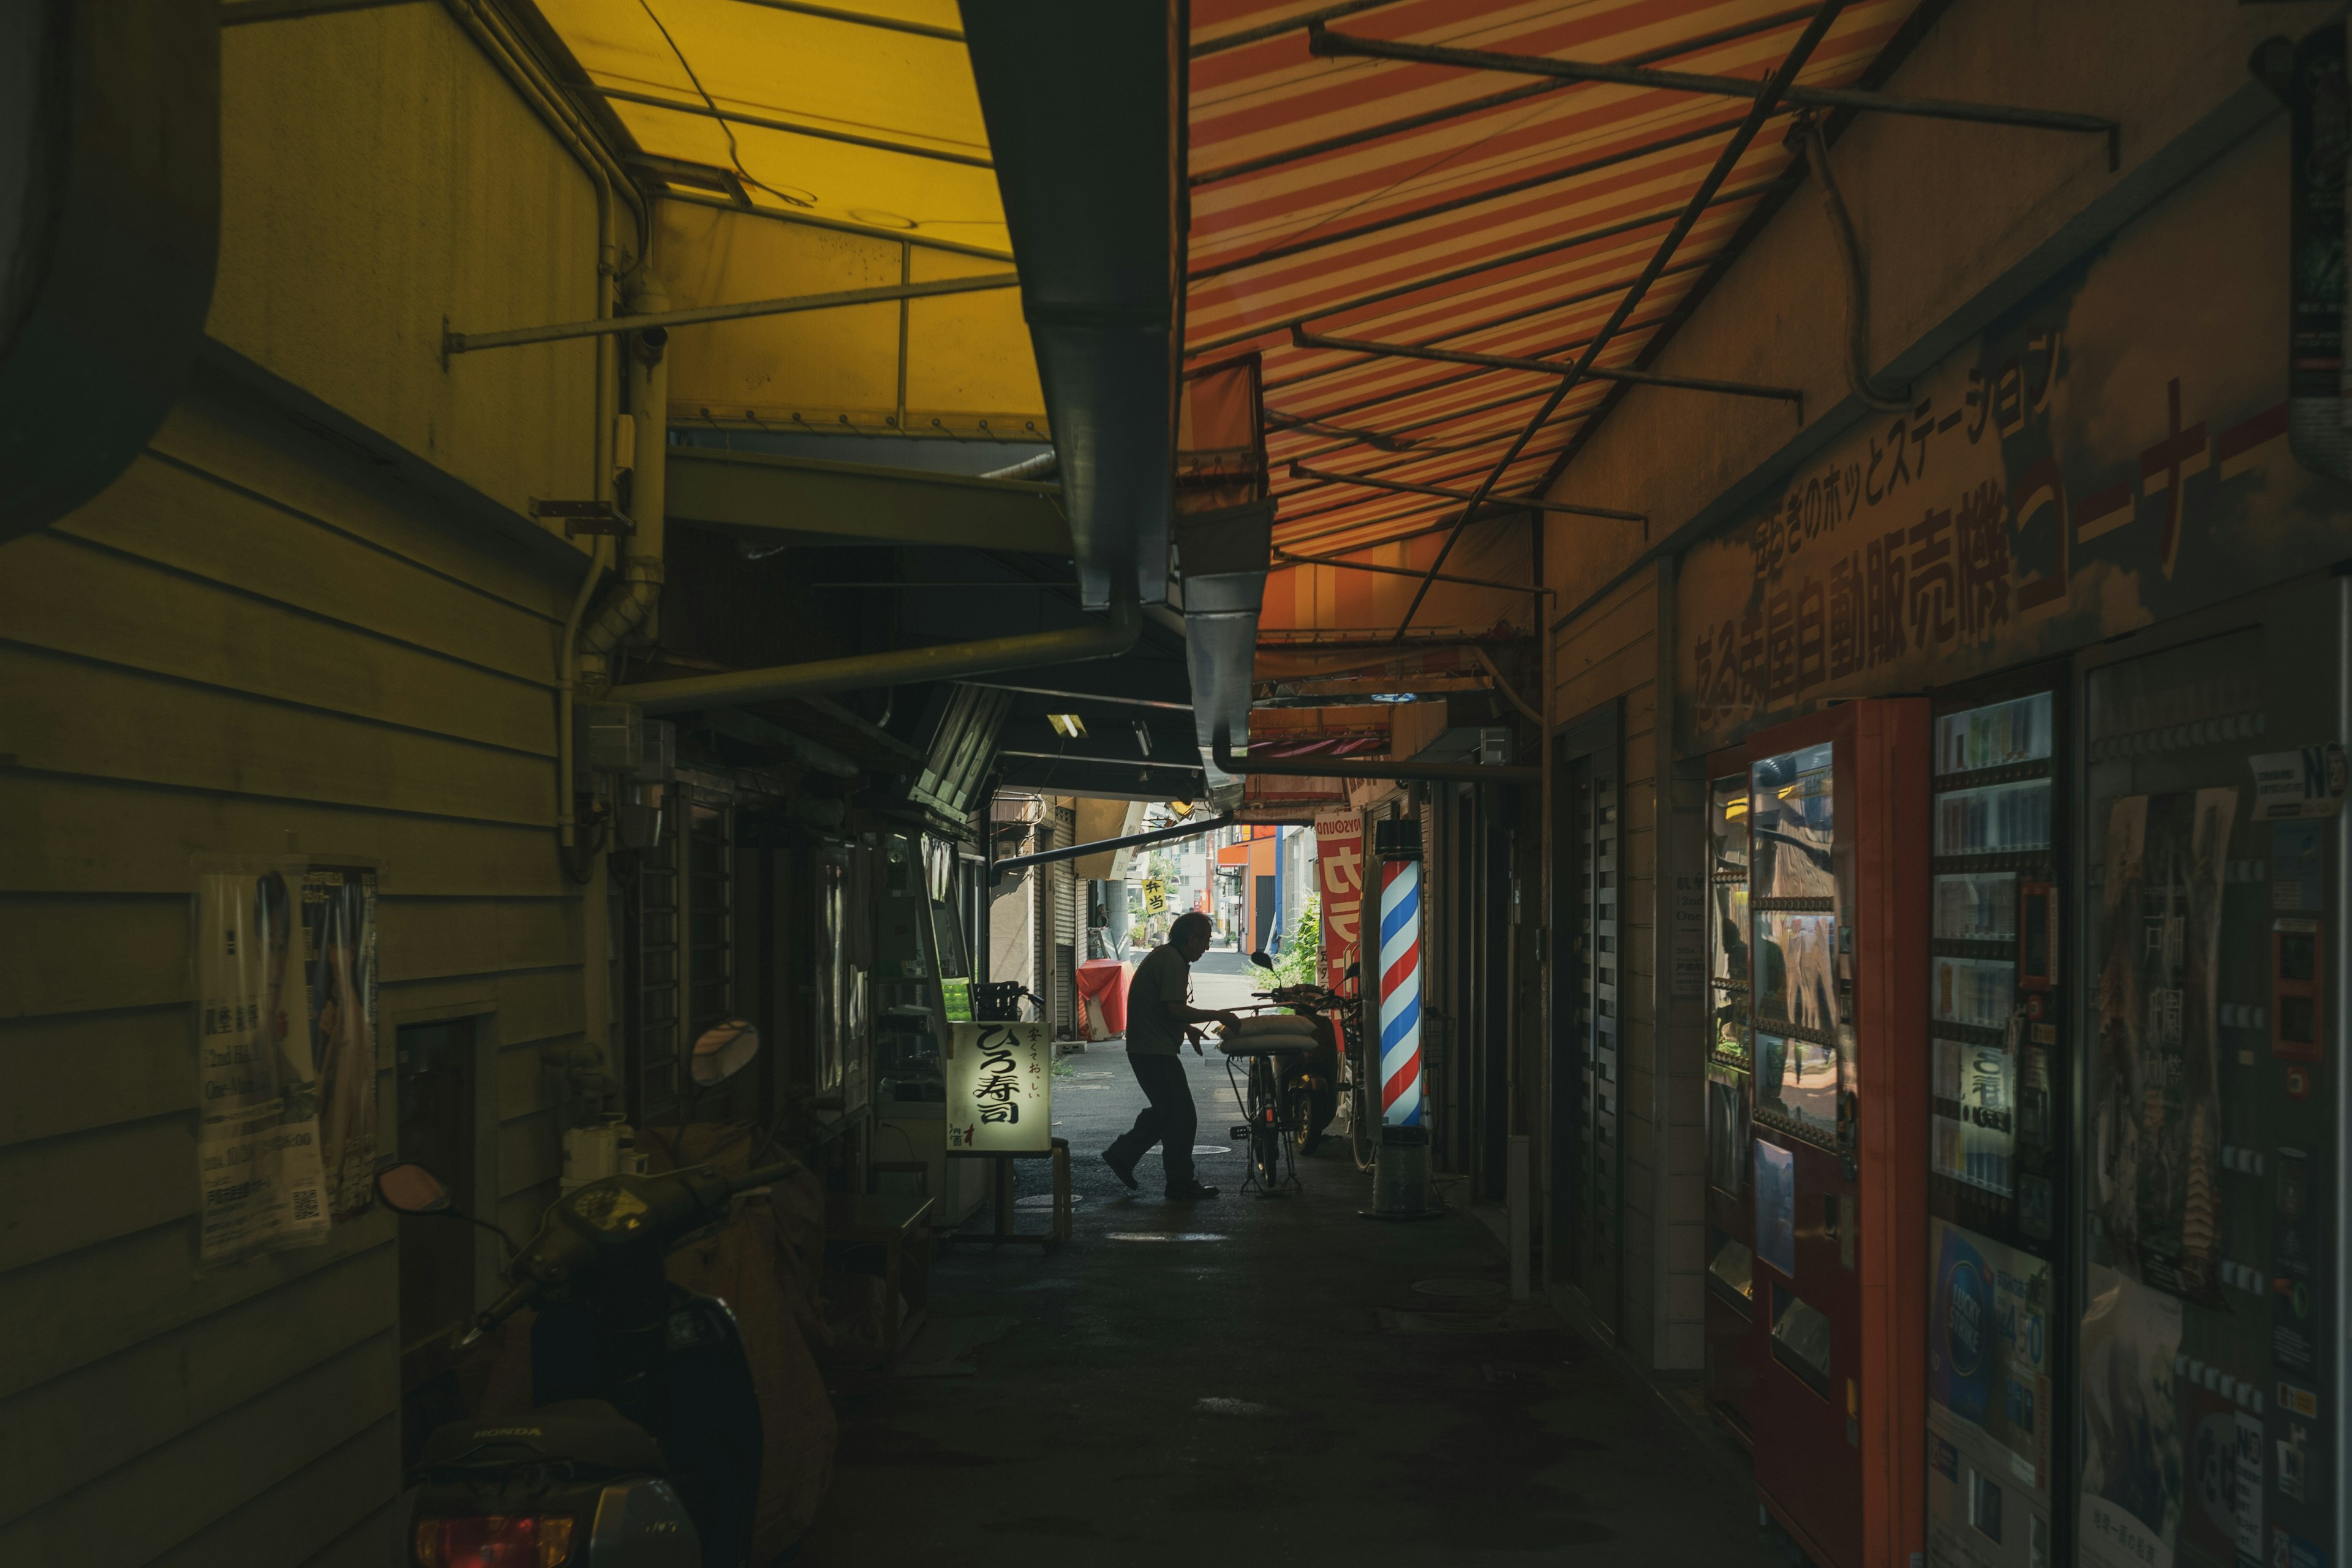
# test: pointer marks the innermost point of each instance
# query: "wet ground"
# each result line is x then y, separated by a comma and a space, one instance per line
1257, 1382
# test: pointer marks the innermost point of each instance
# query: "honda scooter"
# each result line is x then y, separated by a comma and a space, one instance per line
644, 1449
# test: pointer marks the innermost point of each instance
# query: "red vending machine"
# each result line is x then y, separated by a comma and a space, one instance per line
1830, 1059
1730, 1207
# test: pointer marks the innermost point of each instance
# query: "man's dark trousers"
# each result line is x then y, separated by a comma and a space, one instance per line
1168, 1121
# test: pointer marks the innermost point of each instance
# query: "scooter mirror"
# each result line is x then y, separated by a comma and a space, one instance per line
1261, 960
412, 1189
724, 1050
1353, 970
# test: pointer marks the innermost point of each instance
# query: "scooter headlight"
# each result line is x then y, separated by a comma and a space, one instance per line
495, 1541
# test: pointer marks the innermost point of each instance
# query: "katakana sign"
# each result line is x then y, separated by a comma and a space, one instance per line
2113, 453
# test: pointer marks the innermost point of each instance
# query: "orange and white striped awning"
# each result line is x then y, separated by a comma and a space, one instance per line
1499, 214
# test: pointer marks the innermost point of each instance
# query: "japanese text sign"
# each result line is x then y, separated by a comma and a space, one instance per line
1340, 867
2096, 461
999, 1085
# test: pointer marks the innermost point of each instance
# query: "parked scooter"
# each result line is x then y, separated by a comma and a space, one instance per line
1321, 1078
644, 1449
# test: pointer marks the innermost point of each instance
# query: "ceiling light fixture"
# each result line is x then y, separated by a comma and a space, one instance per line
1069, 726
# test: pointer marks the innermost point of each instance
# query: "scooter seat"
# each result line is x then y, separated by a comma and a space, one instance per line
1283, 1044
588, 1434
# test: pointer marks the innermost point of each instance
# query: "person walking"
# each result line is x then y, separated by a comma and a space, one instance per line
1159, 1018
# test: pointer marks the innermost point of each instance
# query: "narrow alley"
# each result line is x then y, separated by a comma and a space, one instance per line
1672, 678
1280, 1378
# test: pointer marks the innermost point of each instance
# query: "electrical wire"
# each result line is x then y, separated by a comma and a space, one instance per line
1806, 132
734, 154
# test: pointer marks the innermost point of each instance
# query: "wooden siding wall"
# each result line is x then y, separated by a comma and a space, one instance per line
233, 651
263, 637
1612, 651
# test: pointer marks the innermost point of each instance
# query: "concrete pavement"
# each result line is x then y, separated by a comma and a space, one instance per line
1262, 1381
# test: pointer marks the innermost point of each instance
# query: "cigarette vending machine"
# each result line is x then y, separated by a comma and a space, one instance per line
2210, 1007
1818, 1067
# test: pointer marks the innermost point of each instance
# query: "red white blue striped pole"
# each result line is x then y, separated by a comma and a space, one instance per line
1400, 1008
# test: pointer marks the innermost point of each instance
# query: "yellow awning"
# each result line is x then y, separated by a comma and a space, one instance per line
802, 148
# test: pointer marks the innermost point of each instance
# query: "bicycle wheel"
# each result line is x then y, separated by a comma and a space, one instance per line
1266, 1123
1363, 1108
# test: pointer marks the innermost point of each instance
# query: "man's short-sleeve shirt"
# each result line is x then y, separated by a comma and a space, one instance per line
1163, 977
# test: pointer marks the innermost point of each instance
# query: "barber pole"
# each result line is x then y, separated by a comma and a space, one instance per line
1399, 1010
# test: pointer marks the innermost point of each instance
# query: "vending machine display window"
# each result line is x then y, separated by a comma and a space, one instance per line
1731, 1258
1996, 827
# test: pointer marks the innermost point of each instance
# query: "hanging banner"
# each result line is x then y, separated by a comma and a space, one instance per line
2156, 1075
261, 1185
2097, 460
1340, 877
999, 1088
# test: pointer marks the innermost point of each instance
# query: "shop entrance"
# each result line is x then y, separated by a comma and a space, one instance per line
1586, 1212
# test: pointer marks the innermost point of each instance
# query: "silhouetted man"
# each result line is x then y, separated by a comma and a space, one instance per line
1159, 1018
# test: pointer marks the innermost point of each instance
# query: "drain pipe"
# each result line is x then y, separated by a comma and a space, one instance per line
906, 666
1807, 133
631, 605
566, 681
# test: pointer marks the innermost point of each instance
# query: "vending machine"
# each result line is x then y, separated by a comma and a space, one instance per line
2000, 1039
2209, 1008
1730, 1300
1818, 1065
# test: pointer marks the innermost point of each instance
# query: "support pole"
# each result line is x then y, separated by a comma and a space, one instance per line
465, 342
1515, 1191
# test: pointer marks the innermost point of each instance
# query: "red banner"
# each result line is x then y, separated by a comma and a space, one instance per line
1339, 866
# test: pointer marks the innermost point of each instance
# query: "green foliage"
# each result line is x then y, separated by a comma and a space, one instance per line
1301, 960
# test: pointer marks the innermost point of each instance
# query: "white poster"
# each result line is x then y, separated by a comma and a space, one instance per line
262, 1184
999, 1087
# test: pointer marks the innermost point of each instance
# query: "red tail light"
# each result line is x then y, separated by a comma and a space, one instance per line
494, 1540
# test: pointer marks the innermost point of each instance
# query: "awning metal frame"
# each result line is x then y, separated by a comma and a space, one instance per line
1761, 109
1514, 503
662, 320
1322, 41
1304, 338
1469, 106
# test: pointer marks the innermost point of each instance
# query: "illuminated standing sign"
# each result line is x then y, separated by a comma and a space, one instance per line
1000, 1086
1400, 974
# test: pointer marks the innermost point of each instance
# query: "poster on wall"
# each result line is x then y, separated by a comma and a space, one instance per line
1989, 1403
260, 1182
2133, 1479
2094, 461
999, 1088
2156, 1076
340, 992
1340, 877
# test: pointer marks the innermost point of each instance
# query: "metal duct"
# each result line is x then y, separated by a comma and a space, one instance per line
1083, 104
1222, 559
